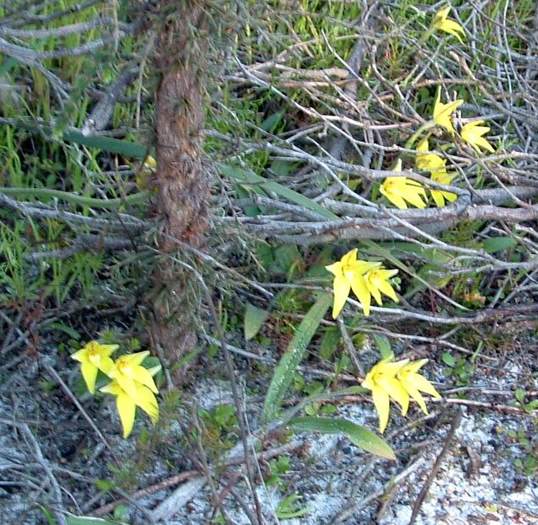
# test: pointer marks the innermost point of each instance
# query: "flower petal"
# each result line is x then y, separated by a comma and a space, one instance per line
396, 391
142, 375
422, 384
388, 290
89, 373
80, 355
360, 289
146, 400
335, 268
341, 288
136, 358
382, 406
126, 410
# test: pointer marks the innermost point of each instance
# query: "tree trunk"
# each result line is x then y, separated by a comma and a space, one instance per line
182, 184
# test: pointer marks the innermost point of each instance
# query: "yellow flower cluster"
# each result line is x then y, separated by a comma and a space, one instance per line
366, 279
399, 381
132, 384
402, 191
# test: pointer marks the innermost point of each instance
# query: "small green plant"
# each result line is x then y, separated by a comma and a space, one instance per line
277, 469
289, 507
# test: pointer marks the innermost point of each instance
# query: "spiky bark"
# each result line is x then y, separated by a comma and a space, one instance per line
182, 184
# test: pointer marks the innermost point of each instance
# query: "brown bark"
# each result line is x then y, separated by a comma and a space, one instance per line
182, 184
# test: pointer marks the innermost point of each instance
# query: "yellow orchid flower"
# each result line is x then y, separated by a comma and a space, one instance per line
401, 190
349, 275
436, 165
472, 133
128, 372
425, 160
126, 404
92, 357
414, 383
443, 23
397, 380
442, 113
381, 380
377, 282
439, 196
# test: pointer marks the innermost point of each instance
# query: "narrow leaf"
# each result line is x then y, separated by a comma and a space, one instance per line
289, 362
249, 177
357, 434
87, 520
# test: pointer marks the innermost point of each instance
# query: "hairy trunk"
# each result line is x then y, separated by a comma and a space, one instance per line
182, 185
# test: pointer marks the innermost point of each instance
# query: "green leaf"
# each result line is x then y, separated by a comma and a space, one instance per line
88, 520
498, 244
254, 319
247, 177
122, 147
329, 342
383, 345
272, 121
357, 434
285, 370
71, 332
448, 359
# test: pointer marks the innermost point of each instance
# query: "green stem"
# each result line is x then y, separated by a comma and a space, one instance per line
412, 139
91, 202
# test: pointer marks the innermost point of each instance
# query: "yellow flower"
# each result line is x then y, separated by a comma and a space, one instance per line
377, 282
439, 196
442, 113
399, 381
428, 161
126, 404
128, 372
400, 190
443, 23
93, 357
436, 165
472, 133
381, 380
414, 383
349, 275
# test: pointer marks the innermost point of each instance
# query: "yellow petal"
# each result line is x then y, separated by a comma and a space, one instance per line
335, 268
382, 406
414, 197
350, 257
396, 391
387, 289
112, 388
414, 366
89, 373
341, 288
438, 198
126, 383
146, 400
141, 375
441, 14
372, 288
136, 358
422, 384
360, 289
415, 395
80, 355
126, 410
